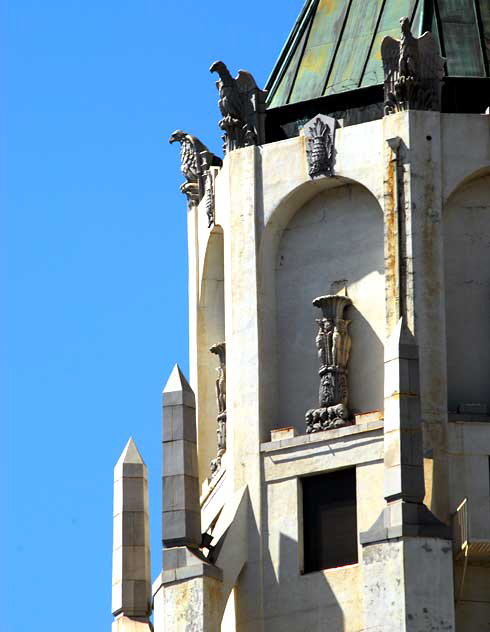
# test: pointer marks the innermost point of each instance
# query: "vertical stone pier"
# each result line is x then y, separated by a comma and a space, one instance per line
187, 593
131, 588
407, 554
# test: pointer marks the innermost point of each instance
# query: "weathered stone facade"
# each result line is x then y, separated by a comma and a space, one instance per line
388, 224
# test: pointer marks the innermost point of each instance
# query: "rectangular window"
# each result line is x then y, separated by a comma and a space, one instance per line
329, 520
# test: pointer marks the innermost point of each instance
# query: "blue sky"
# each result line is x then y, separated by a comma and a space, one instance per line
94, 267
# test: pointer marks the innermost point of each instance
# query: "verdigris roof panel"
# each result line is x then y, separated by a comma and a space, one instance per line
485, 19
461, 38
283, 90
354, 46
320, 49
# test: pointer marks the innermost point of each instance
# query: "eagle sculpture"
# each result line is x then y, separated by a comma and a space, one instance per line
413, 71
195, 160
241, 103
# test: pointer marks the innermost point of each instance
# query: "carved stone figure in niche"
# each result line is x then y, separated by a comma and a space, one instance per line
413, 71
195, 160
220, 350
333, 343
320, 136
208, 191
242, 105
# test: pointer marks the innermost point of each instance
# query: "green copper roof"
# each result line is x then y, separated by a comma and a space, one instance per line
334, 46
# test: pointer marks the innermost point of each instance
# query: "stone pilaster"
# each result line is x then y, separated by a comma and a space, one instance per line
407, 554
131, 589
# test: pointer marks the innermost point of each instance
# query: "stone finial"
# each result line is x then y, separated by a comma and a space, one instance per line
180, 495
131, 588
242, 105
196, 160
220, 350
320, 144
413, 71
333, 343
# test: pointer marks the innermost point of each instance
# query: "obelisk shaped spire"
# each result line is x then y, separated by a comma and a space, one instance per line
131, 587
180, 496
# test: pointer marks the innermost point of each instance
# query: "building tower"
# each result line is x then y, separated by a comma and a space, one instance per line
327, 465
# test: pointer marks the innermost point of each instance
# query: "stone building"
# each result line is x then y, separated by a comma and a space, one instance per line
327, 465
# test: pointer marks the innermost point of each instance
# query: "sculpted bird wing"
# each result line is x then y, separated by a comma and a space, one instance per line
245, 82
431, 64
390, 52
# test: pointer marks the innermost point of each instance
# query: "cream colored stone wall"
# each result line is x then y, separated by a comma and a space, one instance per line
211, 330
329, 599
261, 192
467, 269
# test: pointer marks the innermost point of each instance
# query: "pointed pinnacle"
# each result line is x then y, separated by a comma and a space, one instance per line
130, 454
177, 382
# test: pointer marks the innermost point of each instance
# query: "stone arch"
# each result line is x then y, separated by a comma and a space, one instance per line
317, 225
466, 230
210, 330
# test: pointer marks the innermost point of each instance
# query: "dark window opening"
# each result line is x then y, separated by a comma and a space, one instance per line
329, 520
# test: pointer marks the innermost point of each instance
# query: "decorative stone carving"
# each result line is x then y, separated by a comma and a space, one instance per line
242, 105
333, 344
196, 159
220, 350
209, 192
413, 71
320, 143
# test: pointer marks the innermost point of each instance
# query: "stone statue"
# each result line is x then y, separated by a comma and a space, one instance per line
413, 70
333, 343
220, 350
320, 134
208, 190
195, 160
242, 105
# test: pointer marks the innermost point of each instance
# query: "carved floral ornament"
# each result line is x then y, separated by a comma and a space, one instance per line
320, 145
333, 344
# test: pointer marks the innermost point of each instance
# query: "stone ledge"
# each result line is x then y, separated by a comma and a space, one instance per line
321, 437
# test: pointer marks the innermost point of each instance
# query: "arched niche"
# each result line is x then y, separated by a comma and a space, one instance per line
466, 220
210, 330
334, 235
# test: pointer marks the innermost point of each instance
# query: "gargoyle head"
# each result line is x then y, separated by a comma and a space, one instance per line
177, 137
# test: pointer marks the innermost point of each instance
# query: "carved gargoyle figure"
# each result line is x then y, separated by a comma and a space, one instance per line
220, 350
242, 105
195, 160
413, 71
320, 135
333, 343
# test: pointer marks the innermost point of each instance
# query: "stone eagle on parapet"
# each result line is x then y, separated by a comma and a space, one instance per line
242, 105
413, 71
195, 160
